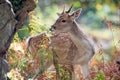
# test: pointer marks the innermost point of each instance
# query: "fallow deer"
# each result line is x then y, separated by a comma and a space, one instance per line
72, 46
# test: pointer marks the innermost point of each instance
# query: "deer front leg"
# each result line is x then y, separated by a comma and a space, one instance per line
72, 72
46, 66
73, 75
85, 70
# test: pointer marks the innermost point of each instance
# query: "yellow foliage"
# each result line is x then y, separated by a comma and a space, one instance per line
98, 6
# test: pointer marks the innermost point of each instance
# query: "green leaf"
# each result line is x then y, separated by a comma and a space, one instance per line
23, 33
100, 76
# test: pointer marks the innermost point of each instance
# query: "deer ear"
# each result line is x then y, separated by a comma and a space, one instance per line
58, 14
76, 14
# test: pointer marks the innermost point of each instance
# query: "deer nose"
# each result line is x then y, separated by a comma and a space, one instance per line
118, 62
52, 28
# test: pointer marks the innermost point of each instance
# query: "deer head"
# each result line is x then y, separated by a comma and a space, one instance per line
65, 22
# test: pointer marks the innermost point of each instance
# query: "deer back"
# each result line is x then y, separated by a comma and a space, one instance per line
61, 43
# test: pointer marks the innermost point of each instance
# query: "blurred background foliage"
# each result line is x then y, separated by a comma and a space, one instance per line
92, 15
100, 19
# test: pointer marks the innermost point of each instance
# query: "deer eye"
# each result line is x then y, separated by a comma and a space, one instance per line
63, 21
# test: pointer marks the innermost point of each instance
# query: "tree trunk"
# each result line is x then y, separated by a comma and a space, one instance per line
9, 24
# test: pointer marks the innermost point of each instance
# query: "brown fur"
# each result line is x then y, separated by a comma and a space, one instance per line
70, 43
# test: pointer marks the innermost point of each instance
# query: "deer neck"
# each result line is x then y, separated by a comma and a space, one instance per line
76, 35
75, 31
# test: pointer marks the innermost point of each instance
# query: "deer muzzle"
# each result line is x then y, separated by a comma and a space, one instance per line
52, 28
